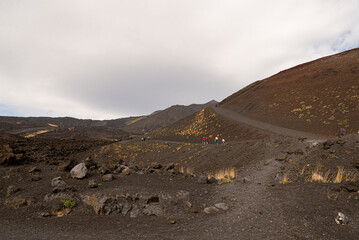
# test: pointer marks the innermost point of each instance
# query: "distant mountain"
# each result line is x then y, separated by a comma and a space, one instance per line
25, 125
320, 96
163, 118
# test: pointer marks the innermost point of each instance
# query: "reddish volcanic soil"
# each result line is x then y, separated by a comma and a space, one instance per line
320, 97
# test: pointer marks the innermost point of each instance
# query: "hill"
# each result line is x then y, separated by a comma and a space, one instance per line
164, 118
319, 97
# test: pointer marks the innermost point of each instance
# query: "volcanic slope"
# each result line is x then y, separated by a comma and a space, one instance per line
207, 123
318, 97
164, 117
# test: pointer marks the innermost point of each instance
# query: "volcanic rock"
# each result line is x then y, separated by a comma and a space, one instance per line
92, 184
222, 206
341, 219
169, 166
12, 189
65, 165
281, 157
153, 209
107, 177
58, 185
202, 179
126, 208
211, 210
79, 171
247, 180
33, 169
135, 212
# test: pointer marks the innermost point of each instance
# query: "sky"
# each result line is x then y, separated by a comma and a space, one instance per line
112, 59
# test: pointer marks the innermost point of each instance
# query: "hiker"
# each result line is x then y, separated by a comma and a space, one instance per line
223, 141
216, 140
148, 138
204, 140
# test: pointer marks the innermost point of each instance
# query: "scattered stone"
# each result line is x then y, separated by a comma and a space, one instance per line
126, 172
12, 189
8, 157
327, 144
153, 210
34, 169
152, 199
56, 204
65, 165
350, 186
281, 157
89, 162
35, 178
134, 167
45, 214
194, 209
211, 210
58, 185
135, 212
341, 219
126, 208
202, 179
298, 152
104, 170
107, 177
213, 180
182, 195
355, 164
278, 177
16, 202
156, 166
92, 183
79, 171
247, 180
340, 141
222, 206
171, 220
169, 166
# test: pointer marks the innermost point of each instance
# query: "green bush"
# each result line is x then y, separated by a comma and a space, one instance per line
68, 203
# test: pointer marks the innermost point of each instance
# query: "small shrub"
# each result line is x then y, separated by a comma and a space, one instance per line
68, 203
225, 181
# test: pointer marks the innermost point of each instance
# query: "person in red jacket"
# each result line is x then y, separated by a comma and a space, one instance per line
204, 140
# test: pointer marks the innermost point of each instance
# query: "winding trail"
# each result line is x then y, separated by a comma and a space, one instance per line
236, 117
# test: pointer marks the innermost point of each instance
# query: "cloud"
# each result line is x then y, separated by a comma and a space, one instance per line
108, 59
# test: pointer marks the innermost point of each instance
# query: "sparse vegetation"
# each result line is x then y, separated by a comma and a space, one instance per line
225, 180
68, 203
320, 175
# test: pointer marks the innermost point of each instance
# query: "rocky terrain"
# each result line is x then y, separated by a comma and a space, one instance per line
267, 180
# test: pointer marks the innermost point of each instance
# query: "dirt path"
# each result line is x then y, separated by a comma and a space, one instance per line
264, 126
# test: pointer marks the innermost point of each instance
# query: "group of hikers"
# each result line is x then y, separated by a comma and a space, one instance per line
205, 140
144, 138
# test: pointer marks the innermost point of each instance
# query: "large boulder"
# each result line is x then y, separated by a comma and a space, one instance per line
79, 171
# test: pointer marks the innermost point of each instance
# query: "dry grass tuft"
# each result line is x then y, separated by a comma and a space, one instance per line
318, 175
285, 179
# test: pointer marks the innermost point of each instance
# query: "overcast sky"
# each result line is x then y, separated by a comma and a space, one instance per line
111, 59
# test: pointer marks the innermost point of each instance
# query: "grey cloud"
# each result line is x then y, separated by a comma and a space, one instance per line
117, 58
